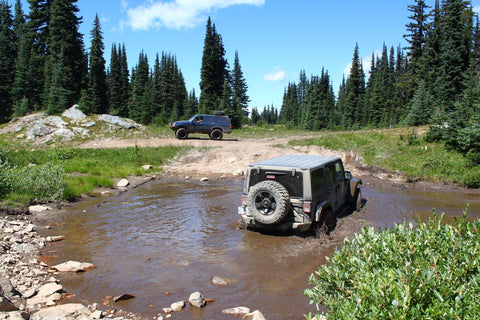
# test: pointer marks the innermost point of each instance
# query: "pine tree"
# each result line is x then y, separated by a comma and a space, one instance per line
97, 84
140, 81
355, 90
125, 83
60, 94
63, 35
115, 81
191, 106
7, 60
421, 109
417, 29
239, 93
213, 71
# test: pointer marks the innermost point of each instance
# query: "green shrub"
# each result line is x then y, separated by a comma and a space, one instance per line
5, 179
42, 184
428, 272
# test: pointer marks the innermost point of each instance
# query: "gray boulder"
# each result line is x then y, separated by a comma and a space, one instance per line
74, 113
6, 304
6, 288
63, 133
14, 315
38, 130
118, 121
255, 315
53, 121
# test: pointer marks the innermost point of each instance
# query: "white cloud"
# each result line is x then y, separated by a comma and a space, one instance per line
476, 9
176, 14
123, 5
275, 75
366, 64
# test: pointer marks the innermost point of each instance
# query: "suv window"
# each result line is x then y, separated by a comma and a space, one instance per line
317, 177
329, 174
339, 171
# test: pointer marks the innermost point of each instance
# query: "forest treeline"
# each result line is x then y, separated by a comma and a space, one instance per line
435, 80
44, 65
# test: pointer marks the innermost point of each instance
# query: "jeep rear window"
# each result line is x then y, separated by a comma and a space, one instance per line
318, 178
293, 184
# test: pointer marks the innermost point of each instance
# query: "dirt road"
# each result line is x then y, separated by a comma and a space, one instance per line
230, 157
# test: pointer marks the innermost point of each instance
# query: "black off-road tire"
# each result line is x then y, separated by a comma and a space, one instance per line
181, 133
268, 202
358, 200
216, 134
327, 223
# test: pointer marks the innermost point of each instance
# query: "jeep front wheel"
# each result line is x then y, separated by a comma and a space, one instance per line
216, 134
181, 133
268, 202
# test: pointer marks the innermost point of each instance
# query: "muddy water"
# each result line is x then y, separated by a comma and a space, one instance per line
173, 236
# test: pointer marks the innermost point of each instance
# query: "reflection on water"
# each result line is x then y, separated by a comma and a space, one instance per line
175, 235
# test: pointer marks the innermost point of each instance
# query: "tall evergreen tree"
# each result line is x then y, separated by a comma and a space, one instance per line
63, 36
140, 81
125, 83
214, 70
114, 81
7, 59
355, 90
416, 28
239, 94
97, 83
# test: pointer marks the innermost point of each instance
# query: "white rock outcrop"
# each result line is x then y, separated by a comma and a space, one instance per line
73, 266
74, 113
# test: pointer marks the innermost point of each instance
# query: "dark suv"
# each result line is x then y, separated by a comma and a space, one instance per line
298, 192
213, 125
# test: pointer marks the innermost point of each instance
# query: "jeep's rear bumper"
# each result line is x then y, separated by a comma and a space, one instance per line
284, 226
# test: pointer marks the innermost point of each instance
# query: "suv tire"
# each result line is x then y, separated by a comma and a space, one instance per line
216, 134
358, 200
181, 133
268, 202
326, 224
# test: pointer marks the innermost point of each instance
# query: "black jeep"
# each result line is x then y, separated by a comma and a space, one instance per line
214, 125
298, 192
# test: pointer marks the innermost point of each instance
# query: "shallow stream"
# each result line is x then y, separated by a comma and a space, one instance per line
174, 235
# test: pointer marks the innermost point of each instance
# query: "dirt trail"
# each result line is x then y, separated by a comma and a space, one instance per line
230, 157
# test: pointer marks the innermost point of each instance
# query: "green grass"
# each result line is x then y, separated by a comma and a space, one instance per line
426, 272
89, 168
401, 150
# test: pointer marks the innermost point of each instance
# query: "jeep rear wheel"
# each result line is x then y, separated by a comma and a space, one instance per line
268, 202
181, 133
216, 134
327, 223
358, 200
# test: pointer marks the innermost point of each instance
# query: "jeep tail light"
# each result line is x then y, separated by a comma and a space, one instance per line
244, 201
271, 176
307, 206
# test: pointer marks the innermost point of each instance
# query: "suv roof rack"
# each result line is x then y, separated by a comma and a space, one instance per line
218, 113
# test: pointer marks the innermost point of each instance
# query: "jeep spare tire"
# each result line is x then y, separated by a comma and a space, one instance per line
181, 133
268, 202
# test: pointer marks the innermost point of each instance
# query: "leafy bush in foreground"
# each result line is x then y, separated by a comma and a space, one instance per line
428, 272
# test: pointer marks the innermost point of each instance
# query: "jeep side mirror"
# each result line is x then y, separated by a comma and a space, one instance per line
348, 175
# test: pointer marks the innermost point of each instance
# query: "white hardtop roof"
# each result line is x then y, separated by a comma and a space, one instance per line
296, 161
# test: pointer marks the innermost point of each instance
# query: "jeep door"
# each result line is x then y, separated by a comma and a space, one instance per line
331, 186
341, 186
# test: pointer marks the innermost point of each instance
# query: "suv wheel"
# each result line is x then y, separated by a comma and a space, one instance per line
181, 133
326, 224
216, 134
358, 200
268, 202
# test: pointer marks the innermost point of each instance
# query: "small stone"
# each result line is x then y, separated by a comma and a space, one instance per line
38, 209
123, 183
204, 179
147, 167
167, 310
96, 315
187, 178
106, 193
30, 228
177, 306
124, 296
31, 165
196, 299
49, 289
57, 238
237, 311
238, 173
73, 266
222, 281
29, 293
223, 177
255, 315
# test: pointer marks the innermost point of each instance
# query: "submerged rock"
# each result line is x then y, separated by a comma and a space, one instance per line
124, 296
237, 311
255, 315
37, 209
222, 281
177, 306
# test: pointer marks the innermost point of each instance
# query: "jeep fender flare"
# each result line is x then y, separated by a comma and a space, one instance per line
355, 183
319, 209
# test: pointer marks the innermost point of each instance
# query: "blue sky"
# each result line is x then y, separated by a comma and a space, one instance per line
275, 39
